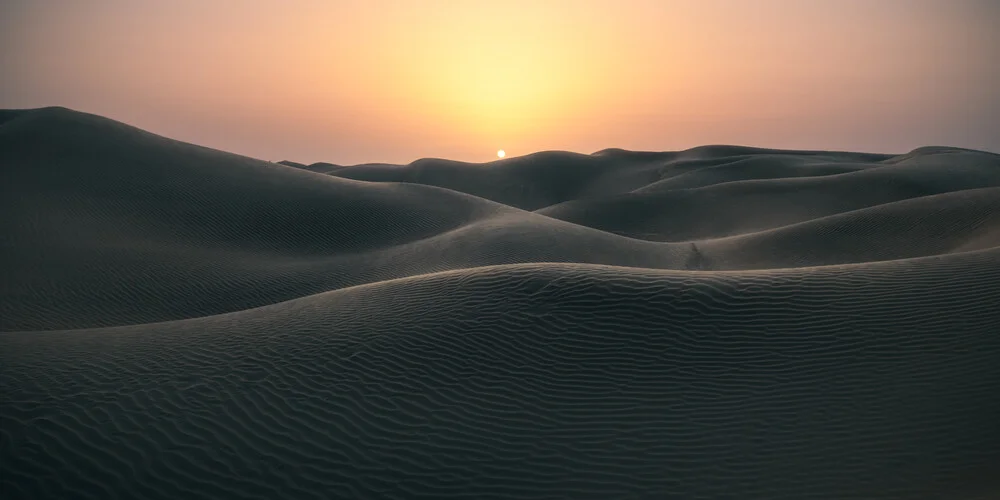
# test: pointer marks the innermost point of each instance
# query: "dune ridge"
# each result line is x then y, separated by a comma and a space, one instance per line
187, 231
183, 322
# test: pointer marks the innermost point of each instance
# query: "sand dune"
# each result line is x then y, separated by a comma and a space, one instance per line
182, 322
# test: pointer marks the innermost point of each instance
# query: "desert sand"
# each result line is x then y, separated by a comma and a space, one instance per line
720, 322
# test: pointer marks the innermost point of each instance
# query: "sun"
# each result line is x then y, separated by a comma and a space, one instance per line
501, 154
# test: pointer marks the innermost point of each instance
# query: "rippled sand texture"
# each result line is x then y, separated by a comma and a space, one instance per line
721, 322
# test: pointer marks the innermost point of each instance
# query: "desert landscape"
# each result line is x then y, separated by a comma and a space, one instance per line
508, 250
717, 322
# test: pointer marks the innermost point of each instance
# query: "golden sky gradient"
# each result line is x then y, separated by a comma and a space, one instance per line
379, 80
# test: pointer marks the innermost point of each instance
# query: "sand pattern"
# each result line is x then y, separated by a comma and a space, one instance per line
721, 322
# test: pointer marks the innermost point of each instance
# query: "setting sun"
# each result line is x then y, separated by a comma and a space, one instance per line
437, 78
501, 154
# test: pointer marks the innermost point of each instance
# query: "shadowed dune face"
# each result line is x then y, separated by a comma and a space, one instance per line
168, 230
183, 322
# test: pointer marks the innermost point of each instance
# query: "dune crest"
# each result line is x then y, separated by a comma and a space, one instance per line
184, 322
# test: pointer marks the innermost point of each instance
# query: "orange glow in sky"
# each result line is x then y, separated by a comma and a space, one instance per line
373, 81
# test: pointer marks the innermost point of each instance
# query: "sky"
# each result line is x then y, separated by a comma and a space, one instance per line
363, 81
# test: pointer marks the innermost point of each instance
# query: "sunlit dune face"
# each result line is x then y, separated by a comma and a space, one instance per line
501, 154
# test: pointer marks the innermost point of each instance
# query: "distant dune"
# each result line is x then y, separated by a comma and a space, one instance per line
721, 322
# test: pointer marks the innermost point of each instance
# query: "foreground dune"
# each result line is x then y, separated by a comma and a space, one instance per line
719, 322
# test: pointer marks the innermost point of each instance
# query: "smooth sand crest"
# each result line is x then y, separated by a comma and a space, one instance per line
184, 322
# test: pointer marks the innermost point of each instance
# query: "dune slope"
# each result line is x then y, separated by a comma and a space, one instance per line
182, 322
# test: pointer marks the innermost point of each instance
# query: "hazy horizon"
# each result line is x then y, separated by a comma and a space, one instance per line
354, 82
